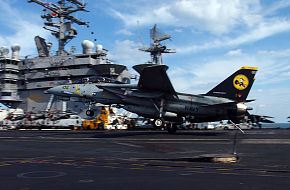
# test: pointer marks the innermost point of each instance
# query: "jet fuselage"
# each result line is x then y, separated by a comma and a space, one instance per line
196, 108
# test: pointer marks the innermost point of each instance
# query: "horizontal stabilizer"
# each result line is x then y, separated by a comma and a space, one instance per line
259, 118
140, 94
227, 104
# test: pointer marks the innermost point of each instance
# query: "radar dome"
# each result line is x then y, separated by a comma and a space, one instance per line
4, 51
88, 46
99, 47
15, 47
15, 51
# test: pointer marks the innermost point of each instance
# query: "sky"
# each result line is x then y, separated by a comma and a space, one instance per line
212, 39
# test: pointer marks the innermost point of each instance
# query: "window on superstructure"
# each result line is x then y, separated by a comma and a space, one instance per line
6, 93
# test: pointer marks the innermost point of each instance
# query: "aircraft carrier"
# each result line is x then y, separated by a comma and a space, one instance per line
23, 81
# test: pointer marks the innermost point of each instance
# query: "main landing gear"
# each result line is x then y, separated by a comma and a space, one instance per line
160, 123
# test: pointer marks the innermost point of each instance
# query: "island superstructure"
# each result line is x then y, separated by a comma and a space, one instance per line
23, 81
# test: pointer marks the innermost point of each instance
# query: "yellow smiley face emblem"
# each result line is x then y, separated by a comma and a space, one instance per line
241, 82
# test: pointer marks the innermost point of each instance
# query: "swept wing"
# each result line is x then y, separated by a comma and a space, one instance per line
154, 78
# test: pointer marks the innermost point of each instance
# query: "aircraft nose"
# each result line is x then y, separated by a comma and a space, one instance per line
62, 90
53, 90
47, 91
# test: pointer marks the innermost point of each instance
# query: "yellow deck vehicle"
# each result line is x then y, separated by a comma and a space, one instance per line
100, 122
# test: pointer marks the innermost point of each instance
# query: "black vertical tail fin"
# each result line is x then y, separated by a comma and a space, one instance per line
237, 86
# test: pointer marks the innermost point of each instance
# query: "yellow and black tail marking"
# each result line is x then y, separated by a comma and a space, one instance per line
237, 86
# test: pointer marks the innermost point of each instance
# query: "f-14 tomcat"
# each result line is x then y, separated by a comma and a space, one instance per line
154, 97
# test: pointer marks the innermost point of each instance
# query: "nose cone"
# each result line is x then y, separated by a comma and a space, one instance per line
52, 90
57, 90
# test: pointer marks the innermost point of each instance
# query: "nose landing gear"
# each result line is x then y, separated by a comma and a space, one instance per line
90, 113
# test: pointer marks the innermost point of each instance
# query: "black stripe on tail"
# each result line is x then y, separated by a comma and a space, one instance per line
237, 86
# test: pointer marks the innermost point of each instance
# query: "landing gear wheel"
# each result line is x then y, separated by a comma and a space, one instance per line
90, 113
159, 123
171, 128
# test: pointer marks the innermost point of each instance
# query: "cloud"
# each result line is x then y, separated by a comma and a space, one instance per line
261, 31
126, 52
275, 6
214, 16
236, 52
285, 53
228, 23
274, 102
19, 29
124, 32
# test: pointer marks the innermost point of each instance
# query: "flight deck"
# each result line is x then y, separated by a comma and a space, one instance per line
143, 160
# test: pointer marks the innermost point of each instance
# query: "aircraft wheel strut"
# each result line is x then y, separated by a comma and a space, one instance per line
171, 128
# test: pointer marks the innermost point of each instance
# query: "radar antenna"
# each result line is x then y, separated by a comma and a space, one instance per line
156, 48
59, 21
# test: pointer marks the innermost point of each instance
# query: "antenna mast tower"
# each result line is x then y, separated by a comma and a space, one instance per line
58, 20
156, 48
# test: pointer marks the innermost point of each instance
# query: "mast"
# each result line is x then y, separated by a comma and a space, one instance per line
156, 48
59, 21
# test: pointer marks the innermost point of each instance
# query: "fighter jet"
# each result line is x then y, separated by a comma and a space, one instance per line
154, 97
256, 120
